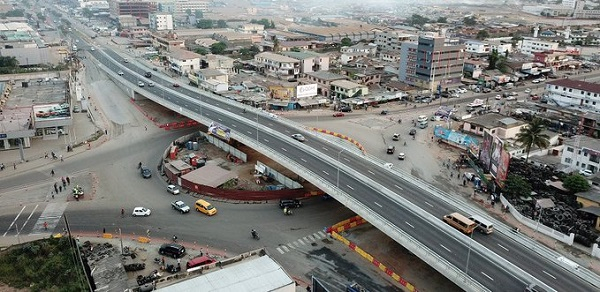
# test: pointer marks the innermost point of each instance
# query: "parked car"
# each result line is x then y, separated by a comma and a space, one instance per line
391, 149
338, 114
173, 250
154, 69
498, 97
125, 60
528, 90
346, 109
173, 189
146, 172
140, 211
290, 203
299, 137
586, 172
180, 206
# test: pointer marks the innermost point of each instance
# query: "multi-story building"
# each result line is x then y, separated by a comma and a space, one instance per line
574, 93
95, 5
533, 45
218, 62
183, 62
431, 62
581, 12
309, 61
161, 21
323, 80
138, 8
279, 66
166, 42
581, 153
369, 49
477, 47
335, 34
252, 28
342, 89
182, 7
390, 56
392, 40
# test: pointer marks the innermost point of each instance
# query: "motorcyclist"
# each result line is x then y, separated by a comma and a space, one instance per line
244, 111
254, 233
174, 238
122, 212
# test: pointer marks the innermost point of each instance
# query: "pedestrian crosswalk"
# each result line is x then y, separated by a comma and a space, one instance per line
51, 215
301, 242
25, 222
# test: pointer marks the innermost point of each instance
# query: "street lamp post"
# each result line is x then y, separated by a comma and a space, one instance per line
337, 182
257, 126
469, 254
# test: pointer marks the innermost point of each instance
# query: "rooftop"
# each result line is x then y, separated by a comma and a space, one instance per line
346, 84
592, 195
210, 72
576, 84
494, 120
301, 55
326, 75
276, 57
180, 54
583, 142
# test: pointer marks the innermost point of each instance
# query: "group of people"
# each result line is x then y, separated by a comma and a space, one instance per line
59, 188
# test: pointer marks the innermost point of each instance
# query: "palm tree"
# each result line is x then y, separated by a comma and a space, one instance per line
532, 135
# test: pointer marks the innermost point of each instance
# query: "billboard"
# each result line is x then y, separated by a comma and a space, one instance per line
503, 168
497, 147
219, 131
282, 93
461, 140
308, 90
486, 150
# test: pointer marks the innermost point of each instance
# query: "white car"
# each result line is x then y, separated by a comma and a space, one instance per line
586, 172
140, 84
528, 90
388, 165
92, 49
498, 97
173, 189
151, 84
511, 97
299, 137
535, 81
120, 73
140, 211
461, 90
401, 156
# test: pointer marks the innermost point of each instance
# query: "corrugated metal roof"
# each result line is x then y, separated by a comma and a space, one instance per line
260, 274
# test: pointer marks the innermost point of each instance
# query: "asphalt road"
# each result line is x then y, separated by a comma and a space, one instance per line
441, 241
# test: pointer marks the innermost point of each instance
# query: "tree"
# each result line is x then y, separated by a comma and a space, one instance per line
418, 20
204, 23
470, 21
482, 34
272, 24
188, 12
15, 13
276, 46
254, 49
199, 14
218, 48
265, 22
87, 13
532, 134
221, 23
576, 183
346, 42
295, 49
516, 186
442, 20
201, 51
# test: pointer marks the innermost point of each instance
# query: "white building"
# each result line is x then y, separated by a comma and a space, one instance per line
309, 61
369, 49
161, 21
279, 66
532, 45
477, 47
183, 61
581, 153
182, 7
574, 93
251, 28
94, 4
392, 40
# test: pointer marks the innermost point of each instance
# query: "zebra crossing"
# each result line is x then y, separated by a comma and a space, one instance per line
25, 220
301, 242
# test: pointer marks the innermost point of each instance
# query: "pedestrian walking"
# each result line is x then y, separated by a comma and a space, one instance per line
56, 188
64, 182
52, 172
61, 158
105, 132
46, 155
146, 128
103, 230
60, 188
15, 166
68, 180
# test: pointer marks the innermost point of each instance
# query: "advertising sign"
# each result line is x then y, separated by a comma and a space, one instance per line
220, 131
281, 92
497, 147
460, 140
309, 90
503, 167
486, 150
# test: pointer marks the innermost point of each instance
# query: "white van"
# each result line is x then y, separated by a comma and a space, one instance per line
422, 118
423, 124
483, 225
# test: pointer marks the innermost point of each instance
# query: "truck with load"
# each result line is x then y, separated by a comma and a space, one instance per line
475, 103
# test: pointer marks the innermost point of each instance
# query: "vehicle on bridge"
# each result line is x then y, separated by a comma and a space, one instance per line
483, 225
299, 137
460, 222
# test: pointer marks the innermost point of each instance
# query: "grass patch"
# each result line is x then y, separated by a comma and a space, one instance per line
43, 265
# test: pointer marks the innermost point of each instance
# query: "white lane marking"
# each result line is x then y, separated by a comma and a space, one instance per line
280, 251
304, 160
398, 187
283, 149
311, 238
220, 120
29, 217
322, 234
325, 172
370, 172
316, 235
504, 248
14, 221
430, 205
350, 187
487, 276
266, 140
285, 248
249, 132
287, 131
291, 246
305, 239
296, 244
379, 205
347, 159
270, 125
301, 242
445, 248
325, 149
233, 125
411, 226
549, 274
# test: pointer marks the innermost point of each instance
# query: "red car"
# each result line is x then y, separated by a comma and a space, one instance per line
175, 85
338, 114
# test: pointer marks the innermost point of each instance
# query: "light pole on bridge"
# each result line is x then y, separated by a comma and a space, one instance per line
337, 182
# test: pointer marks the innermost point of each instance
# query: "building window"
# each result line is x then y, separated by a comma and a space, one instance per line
595, 158
568, 160
569, 149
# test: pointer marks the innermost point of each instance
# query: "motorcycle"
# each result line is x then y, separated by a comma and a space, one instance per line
287, 211
255, 235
